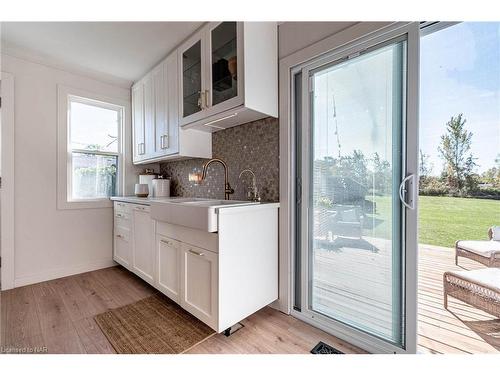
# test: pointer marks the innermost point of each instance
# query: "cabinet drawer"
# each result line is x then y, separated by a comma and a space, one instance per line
122, 207
122, 233
122, 219
122, 251
139, 207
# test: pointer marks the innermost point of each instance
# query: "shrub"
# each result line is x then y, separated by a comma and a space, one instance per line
434, 187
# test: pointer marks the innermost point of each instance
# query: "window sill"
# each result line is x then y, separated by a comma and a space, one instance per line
84, 204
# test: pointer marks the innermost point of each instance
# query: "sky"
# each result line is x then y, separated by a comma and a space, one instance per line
92, 125
460, 73
353, 104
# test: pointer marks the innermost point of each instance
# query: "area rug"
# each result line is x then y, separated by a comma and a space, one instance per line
153, 325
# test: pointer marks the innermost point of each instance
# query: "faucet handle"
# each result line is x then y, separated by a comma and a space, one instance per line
253, 192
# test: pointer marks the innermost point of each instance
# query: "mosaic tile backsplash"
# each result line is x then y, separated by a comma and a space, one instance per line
252, 146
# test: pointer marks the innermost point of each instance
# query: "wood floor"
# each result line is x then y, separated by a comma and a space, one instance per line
58, 315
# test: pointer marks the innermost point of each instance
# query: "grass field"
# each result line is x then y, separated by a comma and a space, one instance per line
442, 220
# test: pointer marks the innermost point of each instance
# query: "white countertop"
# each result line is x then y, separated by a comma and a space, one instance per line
149, 201
145, 201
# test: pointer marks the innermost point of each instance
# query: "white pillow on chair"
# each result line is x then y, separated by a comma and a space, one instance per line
495, 233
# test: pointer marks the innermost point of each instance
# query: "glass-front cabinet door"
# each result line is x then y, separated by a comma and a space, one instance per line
224, 62
191, 68
225, 66
211, 65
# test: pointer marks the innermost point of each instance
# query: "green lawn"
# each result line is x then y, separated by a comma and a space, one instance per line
442, 220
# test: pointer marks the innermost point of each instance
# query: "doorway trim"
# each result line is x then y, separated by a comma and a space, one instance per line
361, 33
8, 174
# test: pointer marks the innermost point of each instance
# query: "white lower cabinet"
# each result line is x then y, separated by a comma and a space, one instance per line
143, 255
219, 277
169, 276
199, 274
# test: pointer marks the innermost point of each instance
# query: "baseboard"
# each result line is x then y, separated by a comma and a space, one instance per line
62, 272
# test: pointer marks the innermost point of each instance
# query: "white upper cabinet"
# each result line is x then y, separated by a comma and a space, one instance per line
156, 118
228, 75
139, 146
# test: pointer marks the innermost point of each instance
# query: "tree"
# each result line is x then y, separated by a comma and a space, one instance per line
424, 167
382, 175
492, 175
455, 151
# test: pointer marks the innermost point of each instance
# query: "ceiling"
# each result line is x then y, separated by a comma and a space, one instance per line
120, 51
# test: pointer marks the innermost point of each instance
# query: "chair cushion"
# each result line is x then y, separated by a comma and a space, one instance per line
495, 231
486, 276
484, 248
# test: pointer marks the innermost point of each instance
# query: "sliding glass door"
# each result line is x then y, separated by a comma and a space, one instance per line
356, 192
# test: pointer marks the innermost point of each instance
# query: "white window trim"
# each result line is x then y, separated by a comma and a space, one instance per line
64, 94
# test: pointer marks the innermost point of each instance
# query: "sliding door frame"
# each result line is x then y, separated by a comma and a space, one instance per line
288, 188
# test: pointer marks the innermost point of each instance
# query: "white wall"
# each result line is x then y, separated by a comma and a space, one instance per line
293, 36
51, 243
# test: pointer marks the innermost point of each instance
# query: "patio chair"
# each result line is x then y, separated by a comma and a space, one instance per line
478, 288
348, 221
486, 252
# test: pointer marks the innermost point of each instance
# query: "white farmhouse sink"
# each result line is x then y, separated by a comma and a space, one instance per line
197, 213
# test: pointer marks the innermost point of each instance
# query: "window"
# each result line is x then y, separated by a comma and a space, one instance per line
94, 129
90, 149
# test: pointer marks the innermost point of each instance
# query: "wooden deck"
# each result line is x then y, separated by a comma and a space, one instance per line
353, 283
461, 328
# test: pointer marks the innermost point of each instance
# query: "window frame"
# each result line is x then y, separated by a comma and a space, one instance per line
66, 96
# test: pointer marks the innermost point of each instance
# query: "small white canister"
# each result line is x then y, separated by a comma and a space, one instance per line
161, 187
141, 190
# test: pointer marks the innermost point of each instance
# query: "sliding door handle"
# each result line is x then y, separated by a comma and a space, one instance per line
403, 192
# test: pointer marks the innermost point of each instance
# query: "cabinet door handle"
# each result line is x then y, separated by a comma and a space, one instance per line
119, 236
141, 148
201, 99
196, 253
119, 215
164, 141
206, 96
166, 242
